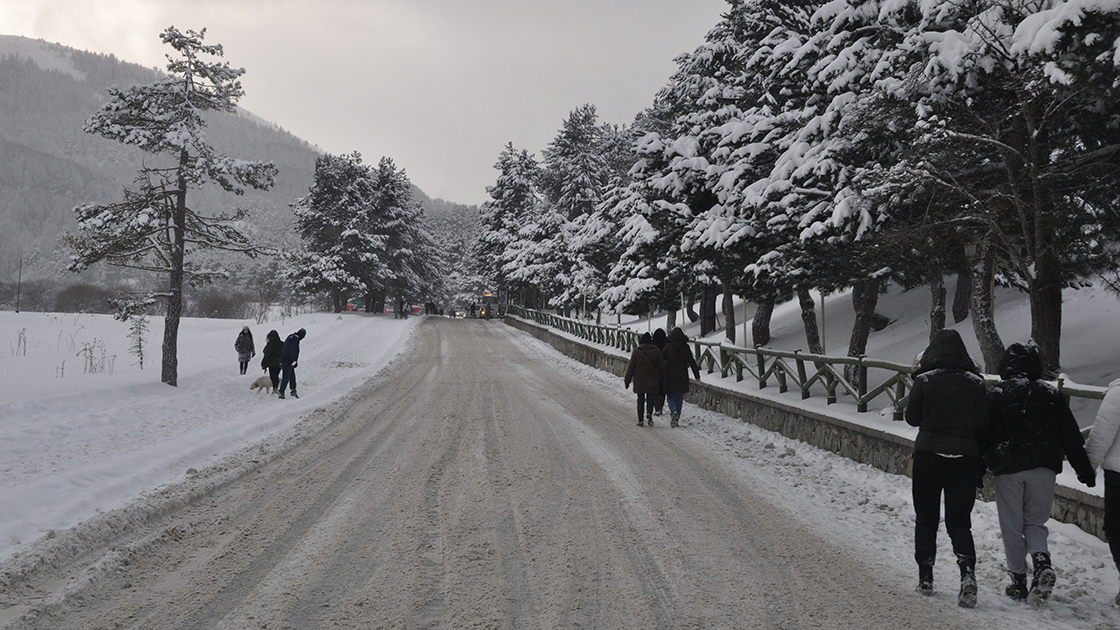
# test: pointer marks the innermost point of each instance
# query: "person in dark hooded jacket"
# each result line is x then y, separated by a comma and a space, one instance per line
678, 361
659, 340
289, 357
1035, 419
645, 370
949, 405
270, 358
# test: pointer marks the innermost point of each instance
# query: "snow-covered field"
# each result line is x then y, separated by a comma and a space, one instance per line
74, 444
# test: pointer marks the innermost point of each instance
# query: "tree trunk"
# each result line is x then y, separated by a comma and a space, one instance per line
690, 310
865, 297
962, 296
670, 319
809, 319
729, 313
177, 242
982, 307
1046, 312
937, 302
708, 310
760, 327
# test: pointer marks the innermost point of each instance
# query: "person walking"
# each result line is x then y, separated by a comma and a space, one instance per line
949, 405
289, 357
270, 358
1033, 422
678, 361
1104, 452
244, 347
659, 339
645, 370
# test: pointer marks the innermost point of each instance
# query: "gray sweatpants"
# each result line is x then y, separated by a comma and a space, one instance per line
1024, 500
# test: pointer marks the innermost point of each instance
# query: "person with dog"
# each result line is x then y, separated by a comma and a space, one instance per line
678, 361
645, 370
244, 347
270, 358
289, 358
1033, 425
949, 405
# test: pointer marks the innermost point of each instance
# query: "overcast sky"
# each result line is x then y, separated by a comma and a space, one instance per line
440, 86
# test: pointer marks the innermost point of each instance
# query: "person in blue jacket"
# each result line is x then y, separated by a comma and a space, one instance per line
289, 357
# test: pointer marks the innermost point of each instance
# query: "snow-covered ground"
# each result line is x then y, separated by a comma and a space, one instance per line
75, 444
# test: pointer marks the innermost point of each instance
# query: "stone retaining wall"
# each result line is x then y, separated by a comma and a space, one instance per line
885, 451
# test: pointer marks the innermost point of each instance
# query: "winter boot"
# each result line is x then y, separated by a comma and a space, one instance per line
925, 579
641, 422
1017, 590
281, 395
967, 596
649, 420
294, 394
1044, 577
674, 419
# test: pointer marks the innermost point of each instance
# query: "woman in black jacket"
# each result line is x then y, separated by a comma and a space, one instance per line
949, 405
1033, 417
270, 358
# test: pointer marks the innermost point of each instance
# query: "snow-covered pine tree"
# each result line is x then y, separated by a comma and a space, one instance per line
513, 202
343, 249
414, 272
574, 169
154, 229
1018, 117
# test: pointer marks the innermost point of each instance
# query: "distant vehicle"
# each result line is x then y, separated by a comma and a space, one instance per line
492, 306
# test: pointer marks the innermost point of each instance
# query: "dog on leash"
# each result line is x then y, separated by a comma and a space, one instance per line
262, 384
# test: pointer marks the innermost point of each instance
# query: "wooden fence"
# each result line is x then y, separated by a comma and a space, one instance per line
800, 371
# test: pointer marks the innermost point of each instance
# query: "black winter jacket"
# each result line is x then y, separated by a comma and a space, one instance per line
1045, 433
270, 356
948, 402
678, 361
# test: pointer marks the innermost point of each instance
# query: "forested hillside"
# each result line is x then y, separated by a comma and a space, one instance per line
48, 164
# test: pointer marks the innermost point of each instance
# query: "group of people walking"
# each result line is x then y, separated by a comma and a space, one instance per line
1021, 430
279, 358
659, 368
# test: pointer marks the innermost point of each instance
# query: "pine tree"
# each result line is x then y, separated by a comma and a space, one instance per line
154, 229
514, 201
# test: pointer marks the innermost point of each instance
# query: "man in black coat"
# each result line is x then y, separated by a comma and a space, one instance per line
289, 357
949, 405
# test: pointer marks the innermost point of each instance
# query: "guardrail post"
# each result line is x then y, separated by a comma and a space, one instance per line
761, 371
861, 385
900, 392
801, 375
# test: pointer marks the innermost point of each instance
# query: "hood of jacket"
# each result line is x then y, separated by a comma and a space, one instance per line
677, 336
273, 336
946, 351
1021, 360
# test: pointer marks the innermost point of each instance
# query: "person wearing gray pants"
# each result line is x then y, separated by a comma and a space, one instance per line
1031, 418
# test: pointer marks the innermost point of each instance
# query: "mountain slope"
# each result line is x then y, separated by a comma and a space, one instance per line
48, 164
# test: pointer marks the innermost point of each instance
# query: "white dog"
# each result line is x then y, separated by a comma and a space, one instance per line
263, 384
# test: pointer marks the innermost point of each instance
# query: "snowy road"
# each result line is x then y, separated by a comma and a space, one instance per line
480, 487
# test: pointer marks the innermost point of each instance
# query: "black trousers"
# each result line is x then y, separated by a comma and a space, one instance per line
1112, 513
955, 477
645, 403
274, 374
